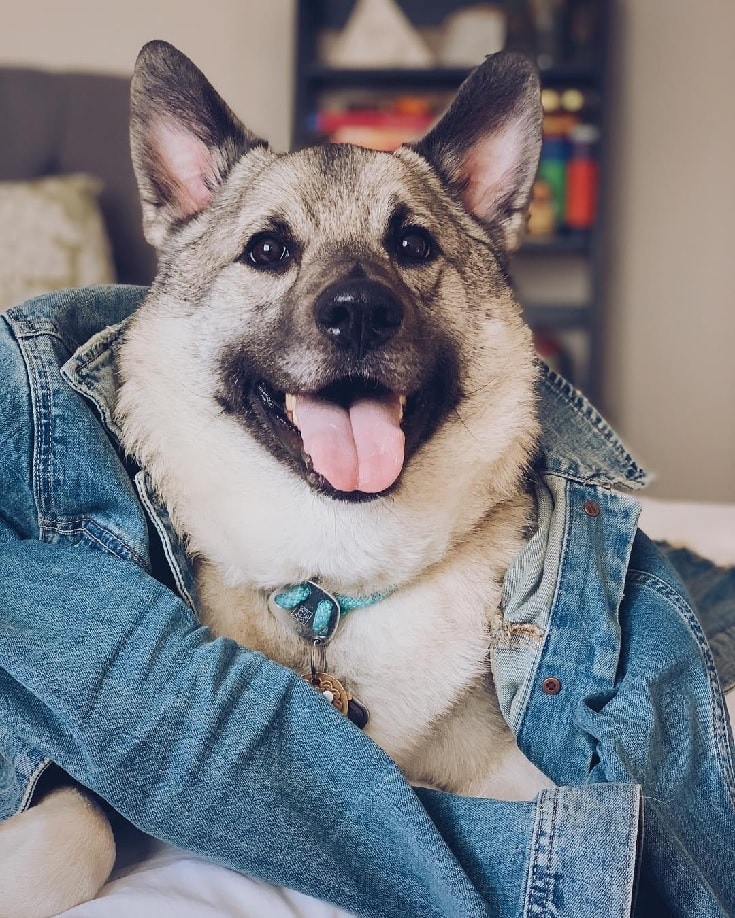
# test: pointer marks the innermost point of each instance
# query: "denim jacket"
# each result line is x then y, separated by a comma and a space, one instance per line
601, 667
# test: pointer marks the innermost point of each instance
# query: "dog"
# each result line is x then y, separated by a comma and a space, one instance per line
331, 386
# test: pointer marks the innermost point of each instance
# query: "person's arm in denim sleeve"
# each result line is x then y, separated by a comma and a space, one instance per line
666, 729
222, 752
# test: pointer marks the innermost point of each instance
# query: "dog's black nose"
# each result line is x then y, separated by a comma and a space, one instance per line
358, 314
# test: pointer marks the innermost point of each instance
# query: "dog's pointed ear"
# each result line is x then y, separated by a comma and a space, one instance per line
184, 138
486, 147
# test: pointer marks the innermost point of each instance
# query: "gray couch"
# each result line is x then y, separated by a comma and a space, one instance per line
57, 123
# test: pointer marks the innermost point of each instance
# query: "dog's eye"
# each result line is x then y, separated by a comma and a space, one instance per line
415, 245
267, 251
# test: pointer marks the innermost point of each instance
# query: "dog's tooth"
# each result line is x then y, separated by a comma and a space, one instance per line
291, 407
402, 404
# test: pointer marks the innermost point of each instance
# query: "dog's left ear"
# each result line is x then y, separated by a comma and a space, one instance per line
486, 147
184, 138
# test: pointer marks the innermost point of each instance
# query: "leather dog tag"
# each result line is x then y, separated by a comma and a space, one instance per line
358, 713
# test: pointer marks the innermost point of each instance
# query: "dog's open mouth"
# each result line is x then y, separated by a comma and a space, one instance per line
353, 437
348, 435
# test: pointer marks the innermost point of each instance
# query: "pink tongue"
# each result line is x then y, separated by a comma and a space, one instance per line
359, 448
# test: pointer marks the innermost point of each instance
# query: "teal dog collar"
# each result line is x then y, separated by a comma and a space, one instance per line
316, 612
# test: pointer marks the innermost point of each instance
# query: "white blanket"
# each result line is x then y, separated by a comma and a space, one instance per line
173, 884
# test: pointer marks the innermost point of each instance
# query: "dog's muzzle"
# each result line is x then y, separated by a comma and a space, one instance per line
381, 397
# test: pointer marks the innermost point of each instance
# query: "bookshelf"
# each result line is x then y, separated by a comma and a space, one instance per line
558, 271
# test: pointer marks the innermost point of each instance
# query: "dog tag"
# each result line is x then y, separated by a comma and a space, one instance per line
314, 611
338, 696
357, 713
333, 691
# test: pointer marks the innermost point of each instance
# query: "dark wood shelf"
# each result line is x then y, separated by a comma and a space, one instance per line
390, 78
448, 78
556, 245
557, 315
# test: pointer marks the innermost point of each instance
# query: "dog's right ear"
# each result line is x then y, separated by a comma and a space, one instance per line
184, 138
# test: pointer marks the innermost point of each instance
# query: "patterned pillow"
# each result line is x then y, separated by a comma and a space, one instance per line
52, 235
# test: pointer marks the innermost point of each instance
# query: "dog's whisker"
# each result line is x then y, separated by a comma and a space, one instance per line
464, 424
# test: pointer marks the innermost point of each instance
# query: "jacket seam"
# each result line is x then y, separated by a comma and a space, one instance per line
589, 482
86, 526
32, 784
163, 535
44, 329
39, 390
530, 681
42, 452
539, 893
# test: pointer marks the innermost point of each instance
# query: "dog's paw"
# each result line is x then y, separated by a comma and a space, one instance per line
54, 856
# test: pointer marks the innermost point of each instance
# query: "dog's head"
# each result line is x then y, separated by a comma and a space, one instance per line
345, 311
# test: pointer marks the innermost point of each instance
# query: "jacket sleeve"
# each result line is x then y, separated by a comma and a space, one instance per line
666, 728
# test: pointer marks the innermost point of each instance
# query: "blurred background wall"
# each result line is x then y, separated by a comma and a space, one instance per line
670, 364
245, 47
669, 380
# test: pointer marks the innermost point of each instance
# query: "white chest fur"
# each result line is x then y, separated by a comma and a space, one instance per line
418, 660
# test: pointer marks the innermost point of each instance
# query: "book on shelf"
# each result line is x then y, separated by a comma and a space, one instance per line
380, 127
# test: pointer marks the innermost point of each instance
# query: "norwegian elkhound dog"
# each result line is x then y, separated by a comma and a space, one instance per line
332, 388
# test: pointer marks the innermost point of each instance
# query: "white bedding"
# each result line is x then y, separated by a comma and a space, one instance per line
708, 529
173, 884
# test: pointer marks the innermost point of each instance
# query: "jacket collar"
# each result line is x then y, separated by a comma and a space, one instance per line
92, 372
577, 442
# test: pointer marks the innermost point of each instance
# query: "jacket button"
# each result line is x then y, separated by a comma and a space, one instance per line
591, 508
551, 686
